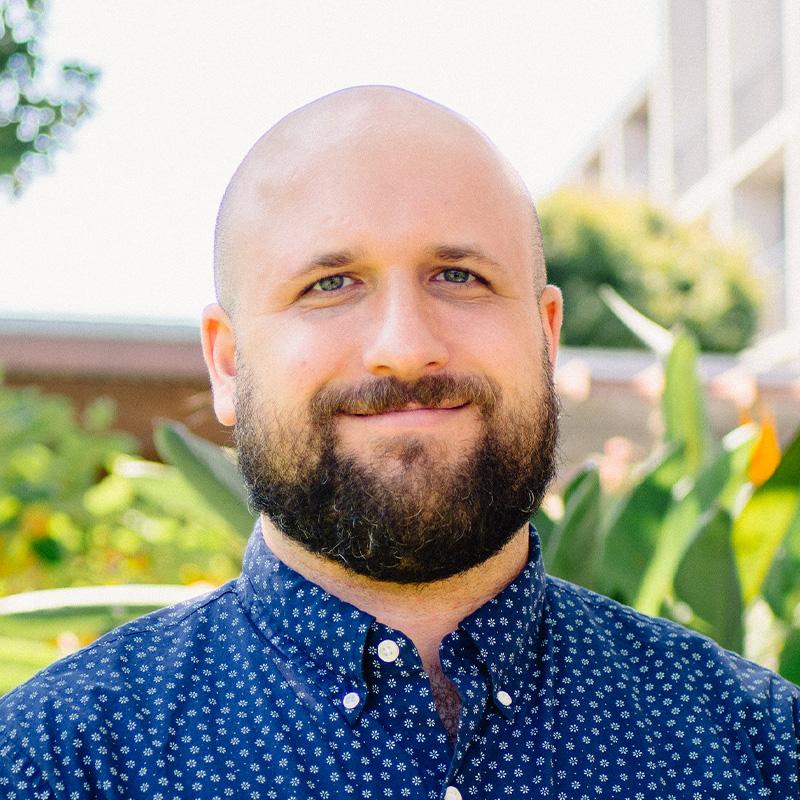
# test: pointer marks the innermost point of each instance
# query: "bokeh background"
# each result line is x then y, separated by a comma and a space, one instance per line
661, 140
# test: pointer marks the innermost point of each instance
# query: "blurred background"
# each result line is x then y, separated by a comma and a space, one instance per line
661, 140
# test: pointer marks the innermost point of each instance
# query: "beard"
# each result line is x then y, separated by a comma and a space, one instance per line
407, 513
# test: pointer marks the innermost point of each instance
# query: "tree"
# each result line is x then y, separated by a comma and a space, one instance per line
673, 272
35, 119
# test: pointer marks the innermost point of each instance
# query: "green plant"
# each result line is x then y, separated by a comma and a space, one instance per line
694, 537
78, 507
671, 271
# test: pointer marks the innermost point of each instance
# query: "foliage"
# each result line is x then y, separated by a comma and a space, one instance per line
210, 470
672, 272
706, 533
34, 121
77, 506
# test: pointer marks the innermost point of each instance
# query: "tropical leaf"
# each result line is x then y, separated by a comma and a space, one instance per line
765, 522
650, 333
51, 603
708, 581
789, 664
692, 498
685, 418
545, 526
573, 548
209, 470
634, 525
781, 588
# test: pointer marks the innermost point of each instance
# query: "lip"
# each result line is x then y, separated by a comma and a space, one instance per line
414, 415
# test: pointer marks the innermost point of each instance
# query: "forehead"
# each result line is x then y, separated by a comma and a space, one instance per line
386, 194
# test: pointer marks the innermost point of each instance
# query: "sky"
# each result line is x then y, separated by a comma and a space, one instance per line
122, 228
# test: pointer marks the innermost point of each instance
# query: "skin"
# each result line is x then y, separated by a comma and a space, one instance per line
388, 178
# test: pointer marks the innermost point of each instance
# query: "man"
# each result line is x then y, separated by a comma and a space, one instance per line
384, 343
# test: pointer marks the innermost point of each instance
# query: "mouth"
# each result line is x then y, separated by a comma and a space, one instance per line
409, 407
413, 414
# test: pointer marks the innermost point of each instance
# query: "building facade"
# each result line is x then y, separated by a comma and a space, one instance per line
715, 135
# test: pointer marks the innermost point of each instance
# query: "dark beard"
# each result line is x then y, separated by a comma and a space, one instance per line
435, 518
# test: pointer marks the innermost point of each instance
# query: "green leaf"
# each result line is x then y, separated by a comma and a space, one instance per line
781, 588
557, 528
21, 659
766, 521
789, 664
166, 488
708, 581
544, 524
47, 549
683, 403
658, 339
573, 550
633, 528
209, 470
691, 499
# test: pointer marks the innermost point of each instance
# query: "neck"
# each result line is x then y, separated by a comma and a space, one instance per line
425, 613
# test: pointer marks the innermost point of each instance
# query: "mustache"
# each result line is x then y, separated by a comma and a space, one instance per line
392, 394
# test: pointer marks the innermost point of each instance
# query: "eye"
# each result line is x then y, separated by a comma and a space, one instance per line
330, 283
455, 275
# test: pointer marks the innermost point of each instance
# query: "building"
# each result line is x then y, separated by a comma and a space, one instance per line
714, 135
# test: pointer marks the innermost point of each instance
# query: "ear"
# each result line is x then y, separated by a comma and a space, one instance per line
219, 352
551, 309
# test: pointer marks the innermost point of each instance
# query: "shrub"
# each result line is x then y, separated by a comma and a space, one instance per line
672, 272
77, 507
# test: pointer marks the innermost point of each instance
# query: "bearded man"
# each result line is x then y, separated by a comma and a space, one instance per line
384, 342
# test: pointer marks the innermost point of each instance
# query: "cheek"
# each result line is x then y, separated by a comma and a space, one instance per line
299, 359
507, 344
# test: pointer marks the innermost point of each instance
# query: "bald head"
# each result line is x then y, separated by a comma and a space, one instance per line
366, 127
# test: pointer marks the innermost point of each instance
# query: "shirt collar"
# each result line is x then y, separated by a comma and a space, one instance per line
505, 629
333, 634
288, 608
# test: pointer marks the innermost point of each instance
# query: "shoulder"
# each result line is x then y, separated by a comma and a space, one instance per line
109, 692
119, 669
666, 653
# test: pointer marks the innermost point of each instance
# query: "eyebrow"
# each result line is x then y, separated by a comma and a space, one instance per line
456, 253
332, 260
337, 259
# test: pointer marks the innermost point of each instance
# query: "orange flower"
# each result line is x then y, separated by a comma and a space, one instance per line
766, 453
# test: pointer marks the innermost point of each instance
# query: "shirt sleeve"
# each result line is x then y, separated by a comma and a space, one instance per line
20, 778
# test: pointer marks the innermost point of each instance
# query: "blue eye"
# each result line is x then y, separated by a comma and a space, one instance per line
454, 275
331, 283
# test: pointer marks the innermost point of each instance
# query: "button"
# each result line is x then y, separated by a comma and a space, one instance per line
351, 700
504, 698
388, 651
451, 793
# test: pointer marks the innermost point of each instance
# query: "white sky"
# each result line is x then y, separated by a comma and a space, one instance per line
122, 228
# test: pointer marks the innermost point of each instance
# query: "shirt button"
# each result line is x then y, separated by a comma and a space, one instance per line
351, 700
388, 651
504, 698
451, 793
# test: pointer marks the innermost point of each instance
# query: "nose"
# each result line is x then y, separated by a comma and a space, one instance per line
405, 341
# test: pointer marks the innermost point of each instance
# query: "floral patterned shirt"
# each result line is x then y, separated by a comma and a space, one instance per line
270, 687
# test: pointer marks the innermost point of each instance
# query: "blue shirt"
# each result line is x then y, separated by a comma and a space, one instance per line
270, 687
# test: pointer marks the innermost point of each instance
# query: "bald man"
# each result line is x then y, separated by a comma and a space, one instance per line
383, 343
